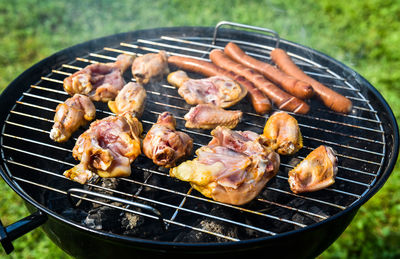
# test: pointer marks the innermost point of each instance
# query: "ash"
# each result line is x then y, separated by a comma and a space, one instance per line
209, 225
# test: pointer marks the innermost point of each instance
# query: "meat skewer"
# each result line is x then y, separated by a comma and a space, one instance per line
208, 116
164, 145
329, 97
217, 90
70, 115
282, 99
259, 101
292, 85
100, 81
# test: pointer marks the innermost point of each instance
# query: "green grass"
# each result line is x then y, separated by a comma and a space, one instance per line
362, 34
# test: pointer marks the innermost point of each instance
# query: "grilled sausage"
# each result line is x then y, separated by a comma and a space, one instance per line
281, 99
329, 97
259, 101
292, 85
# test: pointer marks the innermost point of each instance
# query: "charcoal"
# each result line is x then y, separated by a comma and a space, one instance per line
209, 225
74, 214
104, 218
139, 226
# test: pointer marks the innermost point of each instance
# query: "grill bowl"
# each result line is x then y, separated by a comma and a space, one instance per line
370, 131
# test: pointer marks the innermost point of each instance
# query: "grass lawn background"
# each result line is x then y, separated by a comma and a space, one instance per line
364, 35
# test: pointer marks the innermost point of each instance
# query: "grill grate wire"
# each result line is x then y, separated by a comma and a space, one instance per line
355, 177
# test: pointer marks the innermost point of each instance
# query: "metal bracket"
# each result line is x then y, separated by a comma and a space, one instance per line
220, 24
115, 199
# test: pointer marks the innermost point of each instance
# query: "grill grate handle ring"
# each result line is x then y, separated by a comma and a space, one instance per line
245, 26
148, 208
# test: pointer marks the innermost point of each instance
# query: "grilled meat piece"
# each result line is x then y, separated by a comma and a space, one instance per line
283, 133
70, 115
107, 148
317, 171
100, 81
164, 145
232, 168
150, 66
130, 99
208, 116
217, 90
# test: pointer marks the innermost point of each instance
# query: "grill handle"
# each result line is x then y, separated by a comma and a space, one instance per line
154, 211
20, 228
245, 26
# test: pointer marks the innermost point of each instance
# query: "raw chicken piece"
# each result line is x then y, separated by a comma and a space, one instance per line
208, 116
232, 168
150, 66
107, 148
100, 81
70, 115
164, 145
217, 90
283, 133
130, 99
317, 171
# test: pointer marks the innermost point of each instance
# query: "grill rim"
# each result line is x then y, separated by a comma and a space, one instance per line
49, 63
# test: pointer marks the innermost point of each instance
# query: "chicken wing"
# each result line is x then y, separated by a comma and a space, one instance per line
217, 90
283, 133
317, 171
232, 168
164, 145
150, 66
208, 116
107, 148
70, 115
130, 99
100, 81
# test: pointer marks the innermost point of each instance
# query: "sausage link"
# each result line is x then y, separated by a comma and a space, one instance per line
329, 97
281, 99
259, 101
291, 84
194, 65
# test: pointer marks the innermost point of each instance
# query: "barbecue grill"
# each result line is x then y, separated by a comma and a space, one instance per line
150, 213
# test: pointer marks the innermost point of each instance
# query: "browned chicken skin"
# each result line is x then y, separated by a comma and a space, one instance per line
70, 115
164, 145
233, 168
150, 66
317, 171
217, 90
283, 133
107, 148
100, 81
130, 99
208, 116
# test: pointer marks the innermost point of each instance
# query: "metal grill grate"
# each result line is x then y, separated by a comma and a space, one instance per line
33, 160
